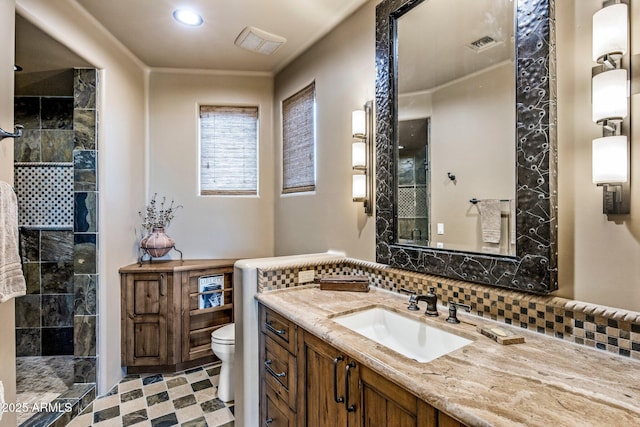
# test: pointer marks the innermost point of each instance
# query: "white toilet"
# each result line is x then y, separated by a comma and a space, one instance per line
223, 342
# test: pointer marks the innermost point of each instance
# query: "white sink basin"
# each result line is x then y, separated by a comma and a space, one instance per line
407, 336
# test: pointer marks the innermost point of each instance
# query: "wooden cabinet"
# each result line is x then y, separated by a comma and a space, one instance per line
329, 379
386, 404
145, 304
278, 369
169, 309
334, 390
205, 308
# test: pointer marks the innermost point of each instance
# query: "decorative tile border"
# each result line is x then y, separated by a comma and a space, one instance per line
610, 329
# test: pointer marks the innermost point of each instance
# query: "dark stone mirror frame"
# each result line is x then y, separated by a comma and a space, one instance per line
534, 268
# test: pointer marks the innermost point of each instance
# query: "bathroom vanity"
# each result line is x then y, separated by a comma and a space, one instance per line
342, 378
308, 382
169, 309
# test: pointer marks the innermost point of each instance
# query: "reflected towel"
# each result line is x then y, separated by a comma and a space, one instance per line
490, 223
512, 221
12, 283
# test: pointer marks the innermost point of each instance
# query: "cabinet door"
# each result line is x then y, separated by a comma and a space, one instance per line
383, 403
322, 372
146, 304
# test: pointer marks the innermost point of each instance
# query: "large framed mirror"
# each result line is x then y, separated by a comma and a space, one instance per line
465, 140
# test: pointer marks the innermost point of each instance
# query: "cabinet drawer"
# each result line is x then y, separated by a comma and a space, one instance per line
279, 367
279, 329
275, 412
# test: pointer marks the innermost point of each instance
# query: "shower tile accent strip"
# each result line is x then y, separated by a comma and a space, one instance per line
52, 182
85, 223
605, 328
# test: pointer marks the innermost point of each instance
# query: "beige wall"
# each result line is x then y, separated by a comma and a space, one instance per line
343, 67
598, 257
7, 309
472, 138
121, 144
209, 226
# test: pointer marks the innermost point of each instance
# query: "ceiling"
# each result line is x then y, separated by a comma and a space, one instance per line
147, 29
432, 52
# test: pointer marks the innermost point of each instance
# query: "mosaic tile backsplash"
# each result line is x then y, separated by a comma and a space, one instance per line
605, 328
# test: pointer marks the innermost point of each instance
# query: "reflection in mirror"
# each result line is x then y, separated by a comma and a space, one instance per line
455, 156
456, 117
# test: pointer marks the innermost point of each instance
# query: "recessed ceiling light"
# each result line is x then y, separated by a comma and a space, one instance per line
187, 17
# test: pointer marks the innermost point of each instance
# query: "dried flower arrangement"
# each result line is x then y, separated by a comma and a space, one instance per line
158, 216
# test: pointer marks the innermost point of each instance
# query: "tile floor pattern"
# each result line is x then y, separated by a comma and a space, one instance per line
186, 399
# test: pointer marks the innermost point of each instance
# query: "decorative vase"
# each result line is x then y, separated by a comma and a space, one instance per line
157, 243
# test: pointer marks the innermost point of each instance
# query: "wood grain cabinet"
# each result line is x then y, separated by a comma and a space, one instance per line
169, 309
333, 389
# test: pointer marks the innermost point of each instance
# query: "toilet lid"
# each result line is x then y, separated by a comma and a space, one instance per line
226, 334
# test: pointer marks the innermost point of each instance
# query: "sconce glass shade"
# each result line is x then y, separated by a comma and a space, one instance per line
358, 124
359, 188
609, 162
609, 95
358, 155
610, 31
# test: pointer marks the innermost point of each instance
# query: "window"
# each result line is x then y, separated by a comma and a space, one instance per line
298, 141
228, 150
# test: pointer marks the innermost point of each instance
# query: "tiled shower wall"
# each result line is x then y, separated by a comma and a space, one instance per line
59, 251
604, 328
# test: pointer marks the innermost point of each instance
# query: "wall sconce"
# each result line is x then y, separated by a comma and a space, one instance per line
362, 157
610, 106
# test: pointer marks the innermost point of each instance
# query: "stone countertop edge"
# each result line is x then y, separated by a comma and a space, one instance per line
544, 381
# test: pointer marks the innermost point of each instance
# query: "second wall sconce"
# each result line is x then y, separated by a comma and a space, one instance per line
362, 157
610, 106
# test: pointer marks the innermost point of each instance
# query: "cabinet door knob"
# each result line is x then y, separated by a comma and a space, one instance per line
268, 421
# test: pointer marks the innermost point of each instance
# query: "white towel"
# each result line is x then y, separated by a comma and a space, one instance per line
490, 211
12, 283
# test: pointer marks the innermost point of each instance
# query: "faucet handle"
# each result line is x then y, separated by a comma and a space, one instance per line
413, 302
453, 310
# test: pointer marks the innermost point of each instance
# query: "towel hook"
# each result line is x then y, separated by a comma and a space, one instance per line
18, 133
451, 176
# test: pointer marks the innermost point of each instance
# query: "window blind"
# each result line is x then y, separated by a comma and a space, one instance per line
298, 141
228, 150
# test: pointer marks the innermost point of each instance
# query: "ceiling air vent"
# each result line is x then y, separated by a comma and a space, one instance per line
260, 41
482, 44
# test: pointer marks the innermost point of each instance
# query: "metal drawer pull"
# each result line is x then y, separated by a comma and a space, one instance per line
267, 365
268, 421
274, 330
335, 379
350, 366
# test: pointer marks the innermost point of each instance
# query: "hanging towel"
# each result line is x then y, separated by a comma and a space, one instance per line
12, 283
490, 223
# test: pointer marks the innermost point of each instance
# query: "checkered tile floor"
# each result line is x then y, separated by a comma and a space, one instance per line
187, 399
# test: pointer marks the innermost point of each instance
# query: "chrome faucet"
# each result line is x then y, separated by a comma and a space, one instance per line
413, 306
453, 306
432, 300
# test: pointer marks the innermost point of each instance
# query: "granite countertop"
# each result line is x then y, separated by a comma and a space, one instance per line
542, 382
